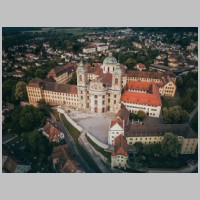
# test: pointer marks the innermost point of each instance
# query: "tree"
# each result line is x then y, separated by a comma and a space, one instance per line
38, 145
194, 94
175, 115
170, 145
30, 118
179, 82
130, 62
138, 146
73, 80
8, 90
43, 106
20, 91
39, 73
187, 103
141, 115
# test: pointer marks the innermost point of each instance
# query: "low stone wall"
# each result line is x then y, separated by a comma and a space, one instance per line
102, 145
187, 169
69, 119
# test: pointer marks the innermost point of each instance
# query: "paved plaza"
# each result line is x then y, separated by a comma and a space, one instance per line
97, 124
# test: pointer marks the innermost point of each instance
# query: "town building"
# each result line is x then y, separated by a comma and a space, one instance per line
140, 67
101, 48
123, 134
162, 79
10, 165
62, 74
52, 132
89, 49
154, 134
119, 156
62, 162
142, 96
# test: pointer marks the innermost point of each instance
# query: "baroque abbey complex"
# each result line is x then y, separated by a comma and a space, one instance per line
103, 88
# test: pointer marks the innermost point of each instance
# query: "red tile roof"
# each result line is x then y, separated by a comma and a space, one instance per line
116, 121
139, 85
152, 98
106, 79
52, 131
123, 113
120, 146
140, 65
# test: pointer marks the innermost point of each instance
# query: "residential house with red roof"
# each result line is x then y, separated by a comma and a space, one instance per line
140, 67
52, 132
119, 155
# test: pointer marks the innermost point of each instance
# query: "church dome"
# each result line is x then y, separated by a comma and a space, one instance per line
110, 60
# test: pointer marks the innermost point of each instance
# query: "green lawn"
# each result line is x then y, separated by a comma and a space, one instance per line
75, 135
72, 130
98, 148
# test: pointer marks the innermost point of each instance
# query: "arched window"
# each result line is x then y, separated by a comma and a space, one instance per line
116, 81
80, 78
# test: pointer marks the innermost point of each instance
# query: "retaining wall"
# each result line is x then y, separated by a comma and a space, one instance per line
70, 120
102, 145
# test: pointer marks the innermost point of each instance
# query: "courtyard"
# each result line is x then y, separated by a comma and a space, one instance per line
97, 124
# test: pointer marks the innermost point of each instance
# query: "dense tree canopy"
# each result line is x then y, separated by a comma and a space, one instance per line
24, 119
44, 107
20, 91
141, 114
175, 115
170, 145
8, 90
30, 117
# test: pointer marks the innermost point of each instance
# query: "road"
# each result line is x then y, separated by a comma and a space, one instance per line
93, 155
72, 147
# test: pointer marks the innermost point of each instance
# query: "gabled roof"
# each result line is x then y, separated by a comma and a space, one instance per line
135, 130
139, 85
142, 66
53, 86
123, 113
58, 70
117, 121
52, 131
120, 146
152, 75
151, 98
10, 165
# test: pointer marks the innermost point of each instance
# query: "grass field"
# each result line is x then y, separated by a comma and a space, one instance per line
98, 148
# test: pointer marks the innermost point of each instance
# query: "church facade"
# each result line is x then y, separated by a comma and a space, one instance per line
101, 94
